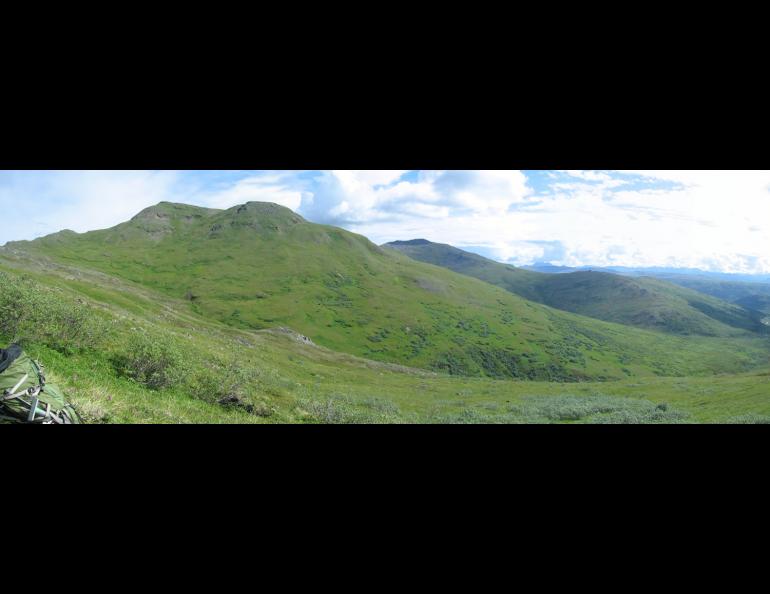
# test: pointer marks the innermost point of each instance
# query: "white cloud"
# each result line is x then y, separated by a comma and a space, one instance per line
365, 197
706, 219
77, 200
716, 220
256, 188
377, 177
703, 221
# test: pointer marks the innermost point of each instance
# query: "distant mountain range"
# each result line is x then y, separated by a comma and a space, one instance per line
658, 272
644, 302
748, 290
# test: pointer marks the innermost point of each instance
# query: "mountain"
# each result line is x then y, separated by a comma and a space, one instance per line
548, 268
656, 271
751, 295
750, 291
515, 280
642, 302
756, 302
261, 266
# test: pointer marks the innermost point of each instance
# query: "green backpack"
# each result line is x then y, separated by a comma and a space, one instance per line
25, 397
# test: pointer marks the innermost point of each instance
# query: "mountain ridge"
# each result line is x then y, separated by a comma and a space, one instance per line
655, 271
259, 265
636, 301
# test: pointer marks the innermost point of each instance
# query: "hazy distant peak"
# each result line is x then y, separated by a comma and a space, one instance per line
411, 242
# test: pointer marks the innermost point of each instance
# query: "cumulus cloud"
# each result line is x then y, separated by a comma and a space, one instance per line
717, 220
277, 187
366, 197
699, 219
379, 177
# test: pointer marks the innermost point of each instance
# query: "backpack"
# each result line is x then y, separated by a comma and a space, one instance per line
26, 397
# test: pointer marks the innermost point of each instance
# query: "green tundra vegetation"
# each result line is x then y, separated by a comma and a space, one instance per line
636, 301
753, 295
255, 315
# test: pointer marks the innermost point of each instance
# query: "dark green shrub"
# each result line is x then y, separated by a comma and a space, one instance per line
228, 384
151, 360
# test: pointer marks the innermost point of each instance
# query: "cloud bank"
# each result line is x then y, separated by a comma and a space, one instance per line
715, 220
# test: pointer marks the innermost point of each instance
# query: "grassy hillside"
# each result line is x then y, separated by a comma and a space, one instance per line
260, 266
515, 280
751, 291
750, 295
646, 303
642, 302
85, 326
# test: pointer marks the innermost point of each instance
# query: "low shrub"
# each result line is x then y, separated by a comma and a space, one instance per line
151, 360
602, 409
218, 380
568, 408
33, 314
339, 409
229, 384
749, 419
329, 411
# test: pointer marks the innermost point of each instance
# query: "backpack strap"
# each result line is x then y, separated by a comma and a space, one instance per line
33, 408
12, 392
39, 370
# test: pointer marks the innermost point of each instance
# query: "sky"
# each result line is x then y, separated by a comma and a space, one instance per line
713, 220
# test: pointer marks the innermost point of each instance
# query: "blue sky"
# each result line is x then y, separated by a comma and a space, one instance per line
715, 220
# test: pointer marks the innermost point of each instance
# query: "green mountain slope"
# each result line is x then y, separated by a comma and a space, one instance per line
750, 295
515, 280
636, 301
259, 266
759, 303
272, 376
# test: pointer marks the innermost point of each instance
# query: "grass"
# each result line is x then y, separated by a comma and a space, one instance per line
271, 376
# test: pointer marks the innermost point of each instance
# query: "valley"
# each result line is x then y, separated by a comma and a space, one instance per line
636, 301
